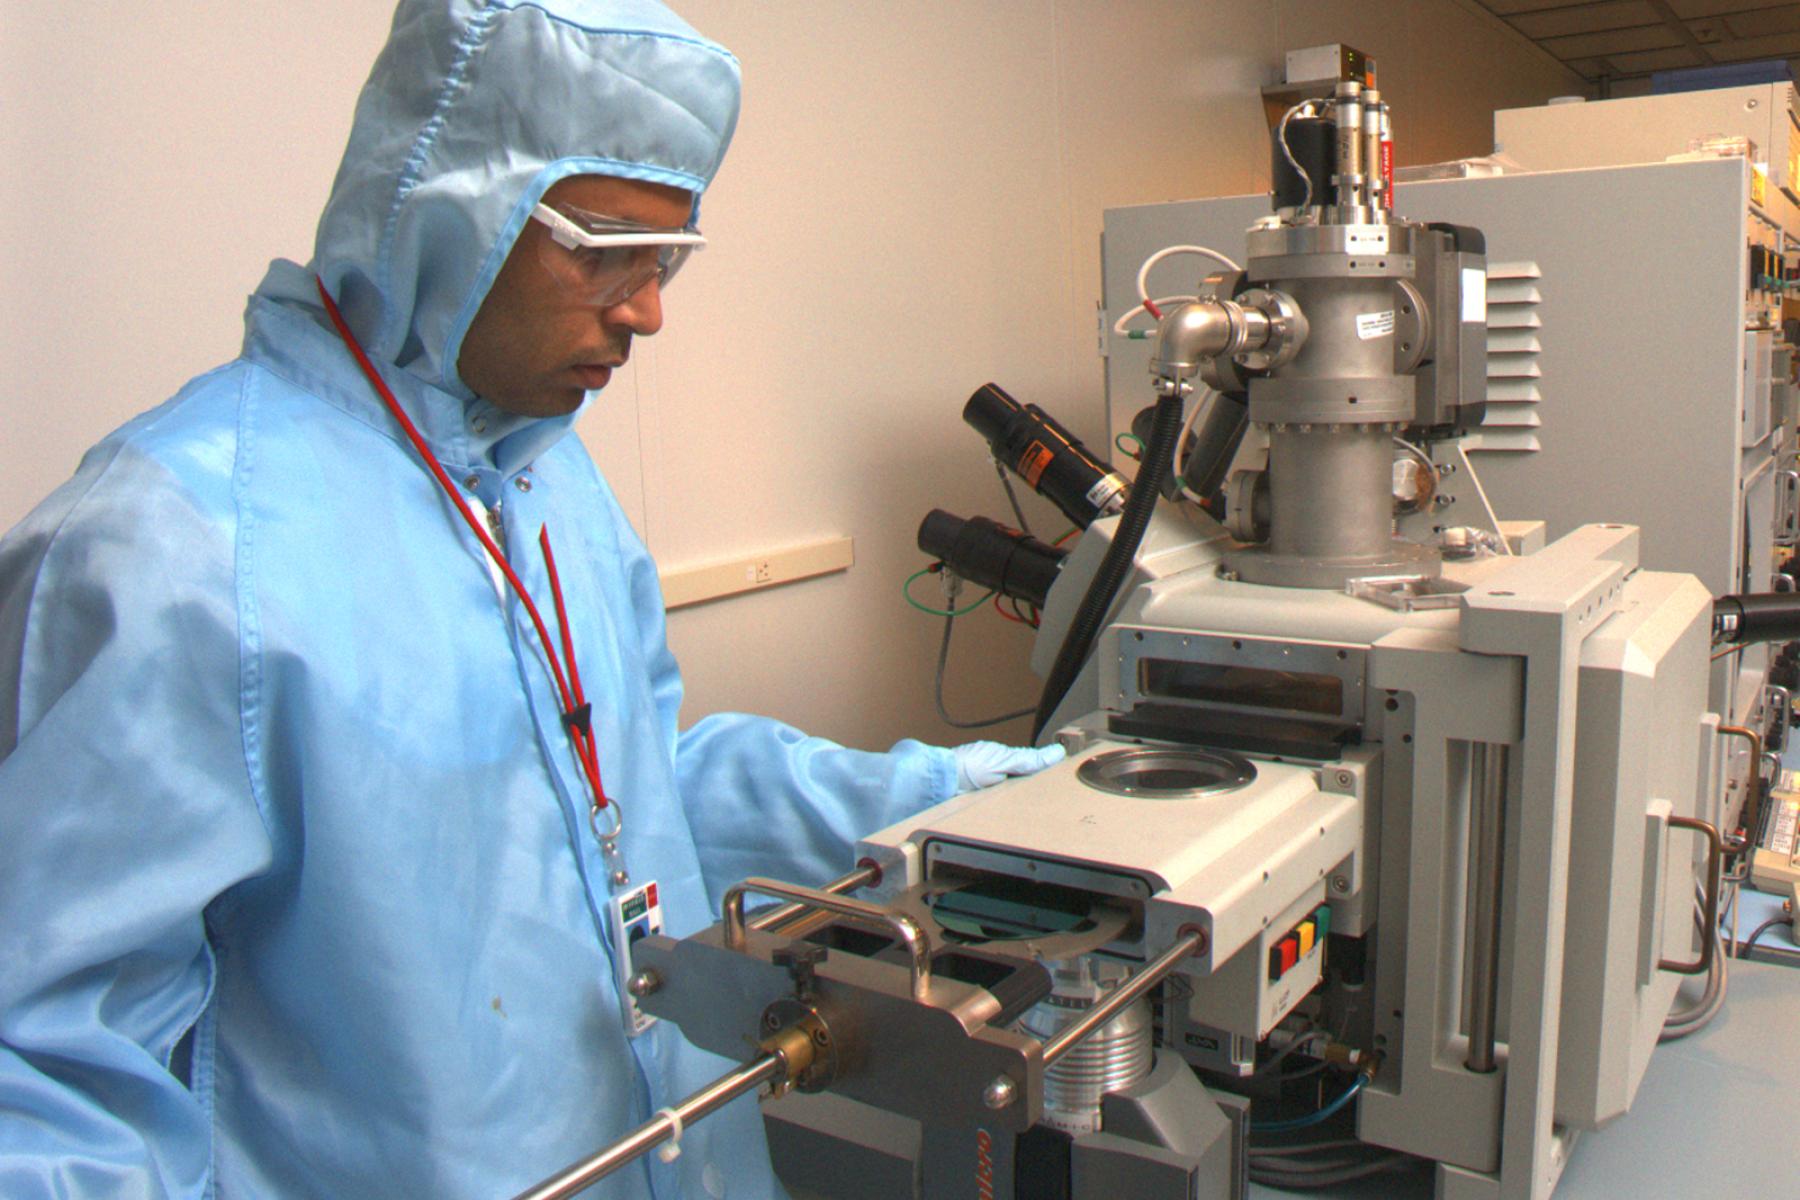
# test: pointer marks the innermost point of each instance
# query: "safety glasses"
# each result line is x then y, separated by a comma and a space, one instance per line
605, 261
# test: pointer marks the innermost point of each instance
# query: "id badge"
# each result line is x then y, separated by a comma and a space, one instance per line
633, 916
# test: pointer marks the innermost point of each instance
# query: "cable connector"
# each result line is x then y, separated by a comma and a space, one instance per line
1365, 1061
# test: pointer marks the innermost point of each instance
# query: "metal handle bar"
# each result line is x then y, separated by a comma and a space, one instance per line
1752, 810
862, 877
1715, 872
918, 945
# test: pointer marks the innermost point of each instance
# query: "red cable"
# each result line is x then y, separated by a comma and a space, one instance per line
999, 608
587, 741
584, 753
1150, 307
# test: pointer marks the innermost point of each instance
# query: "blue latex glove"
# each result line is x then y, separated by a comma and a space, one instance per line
983, 764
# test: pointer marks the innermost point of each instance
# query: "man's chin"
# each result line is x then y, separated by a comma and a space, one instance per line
557, 400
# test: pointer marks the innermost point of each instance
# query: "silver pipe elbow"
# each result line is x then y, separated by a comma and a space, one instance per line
1191, 334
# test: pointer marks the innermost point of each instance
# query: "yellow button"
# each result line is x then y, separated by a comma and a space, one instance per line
1305, 930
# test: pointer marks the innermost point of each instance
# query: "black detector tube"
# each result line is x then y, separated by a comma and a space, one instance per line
989, 555
1761, 617
1045, 455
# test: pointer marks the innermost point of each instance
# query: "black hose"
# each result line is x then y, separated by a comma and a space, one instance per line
1104, 587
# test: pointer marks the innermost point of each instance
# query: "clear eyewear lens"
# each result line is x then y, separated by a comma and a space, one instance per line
603, 262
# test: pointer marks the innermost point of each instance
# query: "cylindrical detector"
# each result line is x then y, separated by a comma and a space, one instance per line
1045, 455
1313, 143
1761, 617
1348, 105
1371, 149
990, 555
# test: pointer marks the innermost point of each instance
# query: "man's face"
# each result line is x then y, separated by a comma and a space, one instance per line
536, 349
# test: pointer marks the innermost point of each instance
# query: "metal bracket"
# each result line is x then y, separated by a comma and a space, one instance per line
1780, 705
1787, 508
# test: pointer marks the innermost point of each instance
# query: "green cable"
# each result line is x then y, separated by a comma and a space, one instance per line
1118, 443
906, 590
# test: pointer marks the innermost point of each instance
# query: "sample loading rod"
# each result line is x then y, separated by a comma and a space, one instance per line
1487, 789
1192, 942
656, 1131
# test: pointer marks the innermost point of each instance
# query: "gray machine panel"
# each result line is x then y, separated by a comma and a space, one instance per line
1639, 129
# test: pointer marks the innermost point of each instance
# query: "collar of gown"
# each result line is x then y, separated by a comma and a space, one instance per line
297, 342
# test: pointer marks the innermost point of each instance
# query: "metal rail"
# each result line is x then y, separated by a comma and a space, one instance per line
1487, 814
657, 1130
1192, 942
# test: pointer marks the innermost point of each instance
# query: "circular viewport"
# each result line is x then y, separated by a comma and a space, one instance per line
1152, 774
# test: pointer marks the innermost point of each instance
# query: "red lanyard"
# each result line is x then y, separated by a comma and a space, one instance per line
577, 714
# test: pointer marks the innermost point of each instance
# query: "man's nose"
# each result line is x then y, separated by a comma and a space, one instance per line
641, 312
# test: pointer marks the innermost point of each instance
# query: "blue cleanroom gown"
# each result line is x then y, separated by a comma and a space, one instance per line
297, 892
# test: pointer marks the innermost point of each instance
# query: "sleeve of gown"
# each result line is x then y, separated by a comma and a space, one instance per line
763, 798
125, 808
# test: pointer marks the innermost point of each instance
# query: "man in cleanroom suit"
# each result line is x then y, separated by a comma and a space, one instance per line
300, 888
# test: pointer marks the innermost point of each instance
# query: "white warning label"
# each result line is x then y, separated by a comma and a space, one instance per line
1474, 295
1374, 325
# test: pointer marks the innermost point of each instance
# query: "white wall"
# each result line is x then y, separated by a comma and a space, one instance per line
912, 207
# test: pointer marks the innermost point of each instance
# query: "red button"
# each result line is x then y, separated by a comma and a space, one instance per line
651, 893
1289, 947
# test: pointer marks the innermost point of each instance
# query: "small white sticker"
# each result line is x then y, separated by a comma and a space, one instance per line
1474, 304
1374, 325
1101, 494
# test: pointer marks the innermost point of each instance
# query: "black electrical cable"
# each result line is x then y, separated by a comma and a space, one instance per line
1335, 1175
1011, 496
937, 691
1756, 933
1116, 565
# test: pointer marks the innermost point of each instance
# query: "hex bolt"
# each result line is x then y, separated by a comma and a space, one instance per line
1000, 1093
801, 960
643, 983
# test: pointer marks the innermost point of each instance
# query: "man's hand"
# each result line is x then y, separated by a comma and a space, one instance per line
983, 764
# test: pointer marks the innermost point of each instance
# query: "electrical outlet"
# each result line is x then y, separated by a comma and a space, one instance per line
762, 571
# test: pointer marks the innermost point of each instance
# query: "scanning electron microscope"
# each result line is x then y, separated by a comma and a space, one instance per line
1407, 844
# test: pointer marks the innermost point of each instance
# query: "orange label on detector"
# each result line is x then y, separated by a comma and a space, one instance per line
1032, 463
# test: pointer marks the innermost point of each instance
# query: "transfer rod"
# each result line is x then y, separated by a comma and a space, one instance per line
656, 1131
1066, 1039
1487, 790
